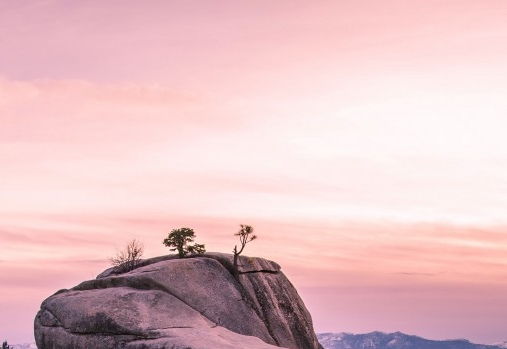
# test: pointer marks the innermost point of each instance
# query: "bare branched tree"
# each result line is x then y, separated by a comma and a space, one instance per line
245, 236
129, 257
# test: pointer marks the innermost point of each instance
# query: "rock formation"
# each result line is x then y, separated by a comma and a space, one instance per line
190, 303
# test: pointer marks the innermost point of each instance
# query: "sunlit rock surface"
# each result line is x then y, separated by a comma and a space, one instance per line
190, 303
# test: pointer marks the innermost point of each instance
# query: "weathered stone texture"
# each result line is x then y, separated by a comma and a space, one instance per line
190, 303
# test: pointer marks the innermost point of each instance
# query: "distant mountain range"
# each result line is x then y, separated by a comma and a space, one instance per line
24, 346
374, 340
397, 340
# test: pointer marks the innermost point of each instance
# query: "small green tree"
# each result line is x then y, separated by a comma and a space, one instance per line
129, 257
180, 239
245, 236
6, 346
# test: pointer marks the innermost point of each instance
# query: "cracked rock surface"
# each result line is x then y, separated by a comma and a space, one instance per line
190, 303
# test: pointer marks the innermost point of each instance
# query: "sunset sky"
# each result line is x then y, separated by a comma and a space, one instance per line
365, 141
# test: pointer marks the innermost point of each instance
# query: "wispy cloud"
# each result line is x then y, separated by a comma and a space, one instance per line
415, 274
364, 141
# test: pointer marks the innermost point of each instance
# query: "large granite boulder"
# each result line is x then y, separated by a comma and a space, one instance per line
190, 303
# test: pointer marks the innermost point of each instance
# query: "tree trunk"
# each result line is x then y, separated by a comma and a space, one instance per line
235, 269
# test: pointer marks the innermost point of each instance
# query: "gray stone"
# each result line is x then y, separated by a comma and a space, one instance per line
190, 303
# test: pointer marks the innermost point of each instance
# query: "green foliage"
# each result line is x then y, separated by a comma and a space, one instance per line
180, 239
129, 257
245, 236
196, 249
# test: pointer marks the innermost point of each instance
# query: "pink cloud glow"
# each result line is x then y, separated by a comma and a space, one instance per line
365, 142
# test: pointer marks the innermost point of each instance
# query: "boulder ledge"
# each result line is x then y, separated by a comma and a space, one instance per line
170, 303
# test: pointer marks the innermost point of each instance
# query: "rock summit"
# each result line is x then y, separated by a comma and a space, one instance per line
171, 303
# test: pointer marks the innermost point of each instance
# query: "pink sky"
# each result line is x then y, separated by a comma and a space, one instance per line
365, 142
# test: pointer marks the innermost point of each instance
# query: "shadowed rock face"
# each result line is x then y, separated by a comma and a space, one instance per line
190, 303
